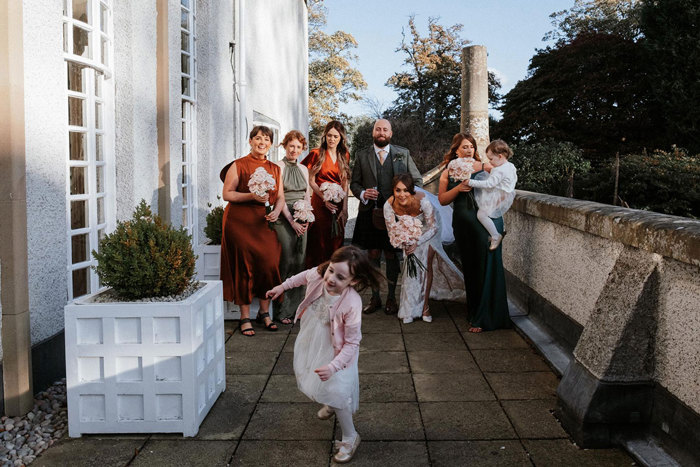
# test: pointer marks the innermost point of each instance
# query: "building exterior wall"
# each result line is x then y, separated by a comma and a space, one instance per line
276, 36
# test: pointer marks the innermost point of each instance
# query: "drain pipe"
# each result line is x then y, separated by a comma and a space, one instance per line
239, 82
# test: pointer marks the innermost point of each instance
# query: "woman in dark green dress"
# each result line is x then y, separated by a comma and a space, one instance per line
291, 234
484, 276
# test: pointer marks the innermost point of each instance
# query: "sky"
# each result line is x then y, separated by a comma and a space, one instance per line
511, 30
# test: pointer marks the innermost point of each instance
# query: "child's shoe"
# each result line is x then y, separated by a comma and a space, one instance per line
325, 413
347, 450
495, 241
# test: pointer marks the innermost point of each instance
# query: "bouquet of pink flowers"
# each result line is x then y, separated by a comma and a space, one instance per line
461, 169
303, 212
259, 184
406, 232
335, 194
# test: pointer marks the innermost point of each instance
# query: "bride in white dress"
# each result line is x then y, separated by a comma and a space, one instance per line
441, 280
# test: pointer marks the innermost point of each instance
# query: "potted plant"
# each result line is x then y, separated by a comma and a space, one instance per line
147, 354
209, 254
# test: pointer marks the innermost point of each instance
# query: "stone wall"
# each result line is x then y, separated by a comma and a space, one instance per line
627, 283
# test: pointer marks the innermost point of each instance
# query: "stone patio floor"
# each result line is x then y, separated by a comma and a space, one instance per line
431, 395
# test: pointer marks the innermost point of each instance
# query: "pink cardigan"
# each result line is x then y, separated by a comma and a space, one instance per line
346, 316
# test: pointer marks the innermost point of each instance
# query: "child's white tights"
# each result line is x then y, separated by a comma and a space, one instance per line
344, 417
488, 224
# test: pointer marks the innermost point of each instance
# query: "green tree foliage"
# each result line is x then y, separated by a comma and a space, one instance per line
426, 113
671, 31
214, 227
549, 166
333, 80
615, 17
593, 91
145, 257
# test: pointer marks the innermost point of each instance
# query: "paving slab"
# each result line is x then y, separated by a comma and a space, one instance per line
381, 343
439, 324
534, 419
262, 341
375, 324
465, 421
386, 388
430, 341
387, 421
390, 454
289, 346
282, 453
72, 452
497, 453
532, 385
446, 361
288, 421
509, 360
285, 364
444, 387
499, 339
184, 453
383, 362
283, 388
560, 452
246, 363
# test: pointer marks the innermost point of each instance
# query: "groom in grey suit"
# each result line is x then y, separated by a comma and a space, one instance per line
372, 175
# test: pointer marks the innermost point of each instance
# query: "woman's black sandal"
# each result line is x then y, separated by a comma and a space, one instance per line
261, 319
246, 332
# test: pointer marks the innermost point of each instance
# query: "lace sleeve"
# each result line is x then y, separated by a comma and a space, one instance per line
389, 216
431, 227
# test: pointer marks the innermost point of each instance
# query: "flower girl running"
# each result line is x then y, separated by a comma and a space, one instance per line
328, 344
495, 194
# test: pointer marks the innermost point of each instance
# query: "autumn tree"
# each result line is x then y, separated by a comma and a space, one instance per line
333, 80
426, 112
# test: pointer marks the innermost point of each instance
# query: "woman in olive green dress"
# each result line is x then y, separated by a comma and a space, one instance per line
291, 234
484, 276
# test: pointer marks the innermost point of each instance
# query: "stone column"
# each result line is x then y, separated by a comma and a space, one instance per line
475, 95
14, 294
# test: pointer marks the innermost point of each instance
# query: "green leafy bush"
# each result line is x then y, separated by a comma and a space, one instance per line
549, 166
214, 227
145, 257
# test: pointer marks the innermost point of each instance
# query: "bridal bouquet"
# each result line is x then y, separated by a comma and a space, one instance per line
334, 193
460, 169
259, 184
302, 212
404, 233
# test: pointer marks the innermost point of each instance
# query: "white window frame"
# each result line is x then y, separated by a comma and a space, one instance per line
187, 179
94, 70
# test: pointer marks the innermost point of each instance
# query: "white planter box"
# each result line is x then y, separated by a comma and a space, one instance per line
144, 367
208, 267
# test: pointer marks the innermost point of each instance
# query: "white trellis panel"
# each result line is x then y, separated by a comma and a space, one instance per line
144, 367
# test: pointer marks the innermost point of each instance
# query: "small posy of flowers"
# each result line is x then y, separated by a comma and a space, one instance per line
259, 184
303, 211
406, 232
334, 193
461, 169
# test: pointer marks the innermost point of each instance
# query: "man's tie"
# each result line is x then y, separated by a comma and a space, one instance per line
382, 154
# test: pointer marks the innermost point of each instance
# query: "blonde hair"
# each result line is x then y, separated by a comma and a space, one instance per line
500, 147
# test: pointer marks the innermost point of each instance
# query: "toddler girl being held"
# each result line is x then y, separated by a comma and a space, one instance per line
495, 194
328, 344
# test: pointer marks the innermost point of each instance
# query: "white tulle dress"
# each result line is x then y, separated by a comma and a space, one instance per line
314, 349
495, 192
448, 281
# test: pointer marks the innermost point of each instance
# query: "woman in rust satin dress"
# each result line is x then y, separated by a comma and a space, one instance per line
328, 163
250, 251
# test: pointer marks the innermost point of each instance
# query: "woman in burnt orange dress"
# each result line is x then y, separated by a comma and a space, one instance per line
250, 251
328, 163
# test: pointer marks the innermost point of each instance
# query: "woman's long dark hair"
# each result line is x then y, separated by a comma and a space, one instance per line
456, 142
361, 269
341, 151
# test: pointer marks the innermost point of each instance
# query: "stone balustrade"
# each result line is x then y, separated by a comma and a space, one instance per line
620, 289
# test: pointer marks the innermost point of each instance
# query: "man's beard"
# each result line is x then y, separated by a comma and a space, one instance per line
381, 143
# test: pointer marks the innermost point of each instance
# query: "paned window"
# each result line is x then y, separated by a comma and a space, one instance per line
87, 45
188, 78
